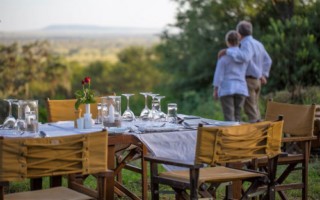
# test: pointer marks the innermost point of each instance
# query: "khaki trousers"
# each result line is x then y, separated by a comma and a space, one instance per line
251, 105
232, 106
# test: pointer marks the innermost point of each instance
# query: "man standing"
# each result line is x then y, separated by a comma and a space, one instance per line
259, 63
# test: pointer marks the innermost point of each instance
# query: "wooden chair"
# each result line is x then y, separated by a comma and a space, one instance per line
217, 146
298, 129
64, 110
315, 145
80, 154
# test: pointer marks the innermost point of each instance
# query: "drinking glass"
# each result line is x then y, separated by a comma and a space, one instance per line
30, 114
10, 121
145, 111
172, 113
99, 117
111, 111
20, 124
154, 104
160, 114
128, 115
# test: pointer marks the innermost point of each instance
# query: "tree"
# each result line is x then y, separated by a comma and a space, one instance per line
190, 53
288, 29
293, 42
135, 71
31, 71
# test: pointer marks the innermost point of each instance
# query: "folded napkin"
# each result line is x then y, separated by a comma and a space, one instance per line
151, 129
117, 130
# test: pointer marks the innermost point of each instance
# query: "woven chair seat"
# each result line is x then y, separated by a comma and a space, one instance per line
212, 174
56, 193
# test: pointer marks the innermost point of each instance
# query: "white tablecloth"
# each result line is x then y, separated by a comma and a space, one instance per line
167, 140
174, 145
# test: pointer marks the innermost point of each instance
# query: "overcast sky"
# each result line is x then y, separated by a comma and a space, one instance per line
18, 15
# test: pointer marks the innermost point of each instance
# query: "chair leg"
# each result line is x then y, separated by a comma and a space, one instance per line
36, 183
154, 185
305, 170
194, 177
105, 185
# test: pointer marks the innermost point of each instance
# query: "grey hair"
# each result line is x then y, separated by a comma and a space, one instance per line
232, 37
244, 28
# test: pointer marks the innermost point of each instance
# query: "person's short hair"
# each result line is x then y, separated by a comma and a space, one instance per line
244, 28
232, 37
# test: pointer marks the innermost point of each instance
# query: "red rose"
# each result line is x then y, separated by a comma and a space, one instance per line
82, 82
87, 79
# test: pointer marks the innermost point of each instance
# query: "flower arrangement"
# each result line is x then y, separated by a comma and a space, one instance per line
86, 95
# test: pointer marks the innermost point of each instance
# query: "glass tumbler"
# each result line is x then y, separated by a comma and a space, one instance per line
172, 113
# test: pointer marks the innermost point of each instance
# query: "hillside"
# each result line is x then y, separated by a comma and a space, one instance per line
85, 43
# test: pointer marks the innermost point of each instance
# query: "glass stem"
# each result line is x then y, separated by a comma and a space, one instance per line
10, 108
128, 107
146, 101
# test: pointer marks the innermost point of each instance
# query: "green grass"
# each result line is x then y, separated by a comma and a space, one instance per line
133, 182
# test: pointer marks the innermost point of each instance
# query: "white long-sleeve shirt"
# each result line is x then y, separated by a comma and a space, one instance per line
253, 52
229, 76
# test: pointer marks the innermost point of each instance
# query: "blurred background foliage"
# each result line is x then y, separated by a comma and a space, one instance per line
180, 66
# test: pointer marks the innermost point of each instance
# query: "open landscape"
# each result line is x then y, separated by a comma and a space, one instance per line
52, 62
85, 44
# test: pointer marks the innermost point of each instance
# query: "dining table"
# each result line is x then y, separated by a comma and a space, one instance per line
137, 138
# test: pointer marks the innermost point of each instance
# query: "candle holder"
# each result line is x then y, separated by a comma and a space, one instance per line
29, 111
111, 111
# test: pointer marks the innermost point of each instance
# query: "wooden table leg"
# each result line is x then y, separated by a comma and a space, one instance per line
111, 166
144, 168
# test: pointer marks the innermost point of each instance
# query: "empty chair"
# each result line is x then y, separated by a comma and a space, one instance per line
81, 154
217, 146
64, 110
298, 130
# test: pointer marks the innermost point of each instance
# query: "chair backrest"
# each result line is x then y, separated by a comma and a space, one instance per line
64, 110
238, 143
298, 119
38, 157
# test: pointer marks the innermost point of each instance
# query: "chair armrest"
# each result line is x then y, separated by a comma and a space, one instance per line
298, 139
174, 162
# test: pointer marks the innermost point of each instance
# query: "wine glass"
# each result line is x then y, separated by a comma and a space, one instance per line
10, 121
128, 115
20, 124
153, 110
160, 114
145, 111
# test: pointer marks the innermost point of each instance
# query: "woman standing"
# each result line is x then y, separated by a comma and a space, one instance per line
229, 81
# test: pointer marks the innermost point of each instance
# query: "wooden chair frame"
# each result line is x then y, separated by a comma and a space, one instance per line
196, 188
298, 124
76, 156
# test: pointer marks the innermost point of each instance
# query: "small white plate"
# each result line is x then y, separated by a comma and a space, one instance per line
117, 130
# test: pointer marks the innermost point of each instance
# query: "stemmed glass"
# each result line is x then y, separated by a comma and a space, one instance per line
153, 110
10, 121
145, 111
20, 124
128, 115
160, 114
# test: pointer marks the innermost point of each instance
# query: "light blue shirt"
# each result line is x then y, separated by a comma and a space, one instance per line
253, 52
229, 76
